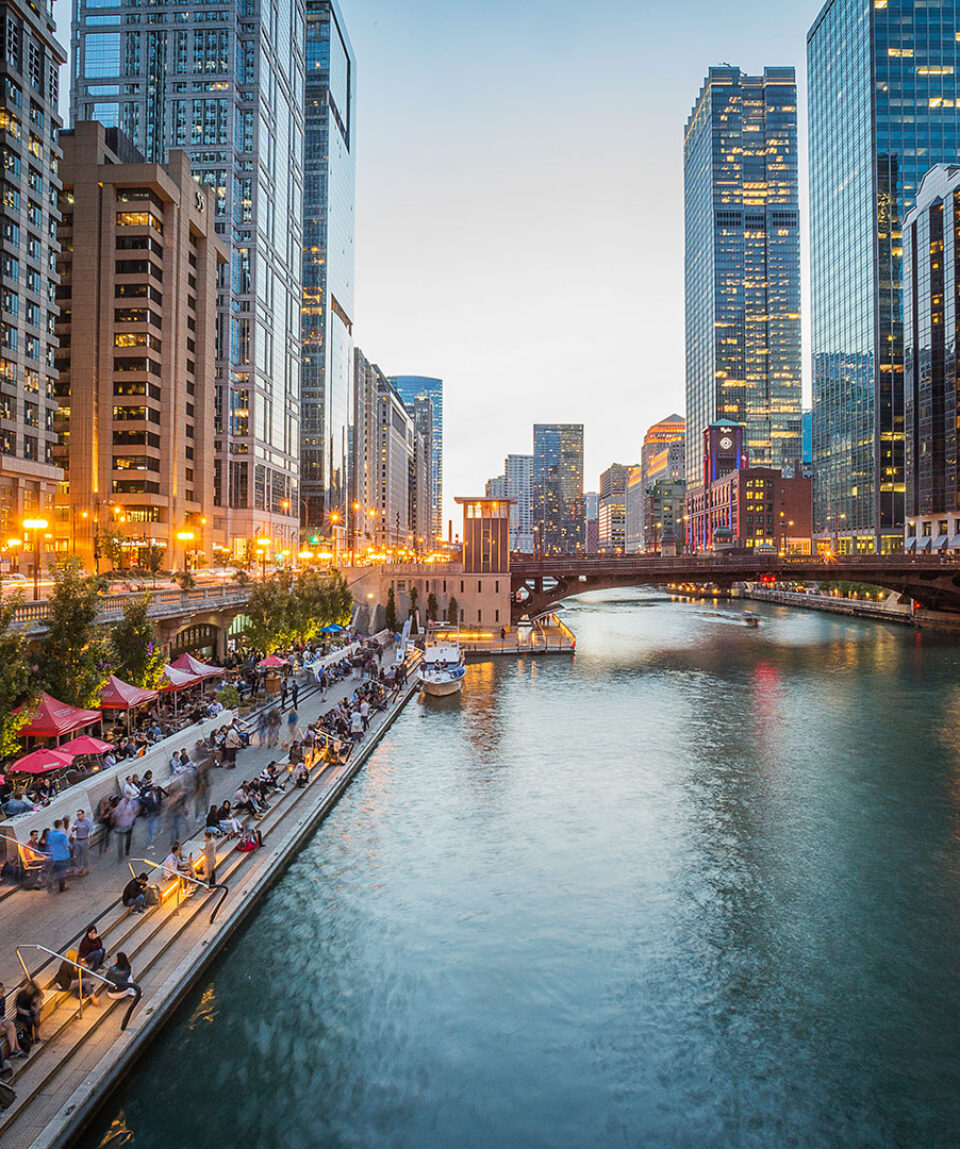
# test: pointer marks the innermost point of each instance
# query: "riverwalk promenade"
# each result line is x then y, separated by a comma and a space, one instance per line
69, 1074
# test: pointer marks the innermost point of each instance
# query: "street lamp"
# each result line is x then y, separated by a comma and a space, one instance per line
185, 537
262, 545
36, 525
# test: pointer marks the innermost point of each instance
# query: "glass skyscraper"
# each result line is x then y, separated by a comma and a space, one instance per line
884, 95
743, 264
224, 83
410, 388
558, 501
328, 269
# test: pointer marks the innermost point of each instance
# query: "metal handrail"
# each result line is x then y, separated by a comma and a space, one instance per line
20, 849
221, 886
81, 970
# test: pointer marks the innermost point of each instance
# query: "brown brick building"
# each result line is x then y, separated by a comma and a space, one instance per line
138, 297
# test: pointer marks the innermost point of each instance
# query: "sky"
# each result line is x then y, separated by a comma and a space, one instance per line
520, 206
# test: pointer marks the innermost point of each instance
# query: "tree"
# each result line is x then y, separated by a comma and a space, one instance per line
413, 604
433, 607
14, 679
390, 615
269, 625
453, 612
111, 547
154, 558
137, 654
319, 600
74, 660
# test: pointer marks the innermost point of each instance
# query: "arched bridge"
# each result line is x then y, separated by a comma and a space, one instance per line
538, 583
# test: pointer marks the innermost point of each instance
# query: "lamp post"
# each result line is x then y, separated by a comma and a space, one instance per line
36, 525
262, 545
185, 537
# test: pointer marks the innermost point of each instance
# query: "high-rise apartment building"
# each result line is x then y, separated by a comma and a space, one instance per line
612, 509
29, 217
225, 84
137, 357
931, 326
515, 484
743, 264
327, 378
558, 513
663, 449
884, 88
409, 388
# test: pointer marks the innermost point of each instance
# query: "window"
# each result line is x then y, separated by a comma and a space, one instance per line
139, 219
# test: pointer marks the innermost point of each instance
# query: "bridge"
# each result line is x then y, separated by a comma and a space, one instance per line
539, 583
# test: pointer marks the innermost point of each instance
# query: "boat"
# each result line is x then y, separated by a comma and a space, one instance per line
750, 618
442, 670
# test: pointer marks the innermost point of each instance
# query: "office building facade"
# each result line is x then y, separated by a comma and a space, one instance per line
29, 219
226, 86
137, 357
558, 501
897, 66
327, 379
516, 484
742, 264
931, 325
612, 510
409, 388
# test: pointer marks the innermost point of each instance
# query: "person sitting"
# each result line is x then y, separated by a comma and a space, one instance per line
109, 759
300, 775
175, 765
120, 976
135, 894
175, 865
213, 819
91, 950
228, 823
29, 999
18, 804
7, 1028
185, 760
69, 978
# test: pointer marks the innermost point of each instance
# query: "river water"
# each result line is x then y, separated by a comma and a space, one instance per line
698, 886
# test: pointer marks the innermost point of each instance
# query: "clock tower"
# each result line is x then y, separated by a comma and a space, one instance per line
722, 450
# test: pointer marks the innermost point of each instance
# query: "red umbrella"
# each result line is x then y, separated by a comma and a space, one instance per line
271, 661
41, 761
86, 744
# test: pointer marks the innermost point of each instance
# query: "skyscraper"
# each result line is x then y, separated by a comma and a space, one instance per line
743, 264
558, 515
612, 509
29, 214
409, 387
515, 484
328, 268
226, 87
896, 65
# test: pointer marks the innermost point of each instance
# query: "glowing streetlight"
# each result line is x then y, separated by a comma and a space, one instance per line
36, 525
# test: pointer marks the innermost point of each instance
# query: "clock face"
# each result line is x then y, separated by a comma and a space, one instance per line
726, 442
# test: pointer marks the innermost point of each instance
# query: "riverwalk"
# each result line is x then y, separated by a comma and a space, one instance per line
65, 1079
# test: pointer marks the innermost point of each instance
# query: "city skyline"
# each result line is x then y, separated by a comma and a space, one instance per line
450, 202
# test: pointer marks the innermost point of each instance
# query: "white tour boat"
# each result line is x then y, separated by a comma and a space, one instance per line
442, 670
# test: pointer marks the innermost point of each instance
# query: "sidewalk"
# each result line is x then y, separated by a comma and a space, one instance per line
52, 919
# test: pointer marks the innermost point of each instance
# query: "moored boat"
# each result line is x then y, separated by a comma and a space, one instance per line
750, 618
442, 670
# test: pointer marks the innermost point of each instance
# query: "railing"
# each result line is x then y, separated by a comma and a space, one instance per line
552, 566
222, 888
81, 970
163, 602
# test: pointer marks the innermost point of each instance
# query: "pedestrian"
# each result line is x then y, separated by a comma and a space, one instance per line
231, 745
292, 722
124, 816
209, 856
177, 812
91, 950
262, 727
273, 721
105, 822
59, 855
82, 830
200, 795
283, 695
295, 694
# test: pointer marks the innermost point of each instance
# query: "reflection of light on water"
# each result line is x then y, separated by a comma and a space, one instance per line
206, 1009
118, 1133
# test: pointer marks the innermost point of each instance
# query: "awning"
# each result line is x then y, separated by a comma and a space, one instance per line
954, 543
41, 761
939, 542
85, 745
911, 544
174, 679
923, 544
119, 695
194, 666
54, 718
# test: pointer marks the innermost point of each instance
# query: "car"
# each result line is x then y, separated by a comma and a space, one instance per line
16, 576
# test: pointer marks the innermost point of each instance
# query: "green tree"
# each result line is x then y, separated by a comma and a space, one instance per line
137, 654
433, 607
413, 604
111, 547
453, 612
74, 660
14, 679
270, 625
390, 615
154, 558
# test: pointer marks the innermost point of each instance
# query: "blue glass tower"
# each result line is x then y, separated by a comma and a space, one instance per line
410, 388
884, 95
742, 264
224, 83
327, 382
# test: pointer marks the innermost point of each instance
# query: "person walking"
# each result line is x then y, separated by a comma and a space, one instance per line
273, 721
177, 812
124, 816
295, 694
82, 829
59, 845
209, 856
105, 822
283, 695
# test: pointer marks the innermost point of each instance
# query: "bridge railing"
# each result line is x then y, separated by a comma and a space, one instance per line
162, 602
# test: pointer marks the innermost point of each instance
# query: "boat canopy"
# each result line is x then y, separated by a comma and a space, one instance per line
442, 652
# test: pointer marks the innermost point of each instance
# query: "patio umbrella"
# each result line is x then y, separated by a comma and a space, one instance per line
331, 628
85, 744
41, 761
271, 661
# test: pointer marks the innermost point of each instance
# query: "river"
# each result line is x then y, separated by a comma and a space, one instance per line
697, 886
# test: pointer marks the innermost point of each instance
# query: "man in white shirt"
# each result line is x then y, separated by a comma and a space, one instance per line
175, 865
